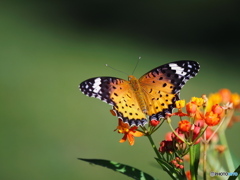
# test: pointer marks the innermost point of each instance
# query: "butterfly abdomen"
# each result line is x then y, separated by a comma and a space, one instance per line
138, 92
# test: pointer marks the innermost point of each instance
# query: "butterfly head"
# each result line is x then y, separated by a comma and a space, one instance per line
132, 78
134, 82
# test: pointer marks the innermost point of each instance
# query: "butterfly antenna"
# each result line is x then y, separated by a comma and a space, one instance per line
116, 69
136, 64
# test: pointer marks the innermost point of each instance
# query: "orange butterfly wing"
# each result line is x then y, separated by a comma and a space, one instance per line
118, 93
162, 85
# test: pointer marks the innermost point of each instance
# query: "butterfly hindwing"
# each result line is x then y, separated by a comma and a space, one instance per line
118, 93
162, 85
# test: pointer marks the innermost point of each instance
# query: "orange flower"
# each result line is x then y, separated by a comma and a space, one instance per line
217, 109
224, 97
212, 119
213, 99
129, 132
180, 114
235, 99
184, 125
225, 94
199, 115
191, 108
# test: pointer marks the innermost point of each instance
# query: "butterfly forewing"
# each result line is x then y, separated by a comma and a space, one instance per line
161, 86
118, 93
99, 87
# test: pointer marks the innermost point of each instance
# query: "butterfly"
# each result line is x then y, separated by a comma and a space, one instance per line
151, 96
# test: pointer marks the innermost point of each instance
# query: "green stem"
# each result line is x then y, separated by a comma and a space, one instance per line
205, 158
153, 146
192, 169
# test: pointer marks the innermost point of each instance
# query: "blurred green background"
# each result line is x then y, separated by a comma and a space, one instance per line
48, 48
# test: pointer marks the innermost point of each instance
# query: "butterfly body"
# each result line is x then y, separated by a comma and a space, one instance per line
149, 97
139, 93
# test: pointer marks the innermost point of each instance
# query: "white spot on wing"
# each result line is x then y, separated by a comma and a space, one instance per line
96, 85
179, 70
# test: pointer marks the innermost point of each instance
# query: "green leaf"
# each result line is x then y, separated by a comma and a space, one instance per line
194, 159
236, 171
122, 168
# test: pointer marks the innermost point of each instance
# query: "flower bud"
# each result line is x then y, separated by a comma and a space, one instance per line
154, 122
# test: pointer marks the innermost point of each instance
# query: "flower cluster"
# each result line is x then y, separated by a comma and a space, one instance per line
228, 100
199, 116
199, 139
225, 97
201, 119
190, 129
